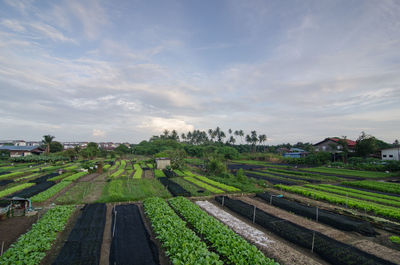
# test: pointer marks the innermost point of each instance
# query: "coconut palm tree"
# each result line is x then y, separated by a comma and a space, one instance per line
47, 139
261, 139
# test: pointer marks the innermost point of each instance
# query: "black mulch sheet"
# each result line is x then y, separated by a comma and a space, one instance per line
131, 243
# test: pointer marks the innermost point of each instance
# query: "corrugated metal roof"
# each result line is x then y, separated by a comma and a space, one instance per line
18, 148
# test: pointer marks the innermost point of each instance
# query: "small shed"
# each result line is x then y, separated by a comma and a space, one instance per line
163, 162
391, 153
17, 151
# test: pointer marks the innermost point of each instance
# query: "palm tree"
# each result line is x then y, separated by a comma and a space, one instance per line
212, 134
232, 140
47, 139
261, 139
174, 135
183, 136
241, 134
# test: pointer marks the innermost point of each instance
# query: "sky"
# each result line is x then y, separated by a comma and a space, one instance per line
123, 71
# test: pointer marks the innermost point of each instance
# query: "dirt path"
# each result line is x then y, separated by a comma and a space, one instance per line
351, 238
107, 237
95, 194
12, 228
148, 174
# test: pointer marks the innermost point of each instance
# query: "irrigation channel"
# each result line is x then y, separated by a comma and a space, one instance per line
83, 245
327, 248
131, 243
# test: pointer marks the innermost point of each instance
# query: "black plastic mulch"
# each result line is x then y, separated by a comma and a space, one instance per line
32, 191
83, 245
4, 172
5, 182
131, 243
169, 173
244, 167
289, 177
174, 188
328, 174
44, 178
326, 217
327, 248
271, 179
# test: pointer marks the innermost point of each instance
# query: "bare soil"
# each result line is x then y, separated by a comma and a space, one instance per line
148, 174
12, 228
95, 194
364, 243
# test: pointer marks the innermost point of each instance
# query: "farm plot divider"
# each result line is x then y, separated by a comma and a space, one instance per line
131, 242
83, 245
330, 250
326, 217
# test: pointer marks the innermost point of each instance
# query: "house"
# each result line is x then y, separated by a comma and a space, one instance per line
295, 153
13, 142
332, 145
17, 151
392, 153
163, 162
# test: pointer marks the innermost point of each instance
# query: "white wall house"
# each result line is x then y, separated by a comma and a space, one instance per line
391, 153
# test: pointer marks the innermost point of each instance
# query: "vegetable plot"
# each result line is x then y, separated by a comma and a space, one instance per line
9, 191
182, 245
375, 185
138, 171
203, 185
327, 248
224, 240
173, 187
212, 182
32, 246
75, 176
84, 242
379, 209
129, 233
47, 194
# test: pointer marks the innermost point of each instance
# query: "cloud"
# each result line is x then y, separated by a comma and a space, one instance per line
159, 124
13, 25
98, 133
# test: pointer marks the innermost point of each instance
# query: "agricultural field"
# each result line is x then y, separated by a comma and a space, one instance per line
273, 214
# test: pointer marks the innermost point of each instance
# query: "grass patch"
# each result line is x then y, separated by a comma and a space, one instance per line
126, 189
77, 193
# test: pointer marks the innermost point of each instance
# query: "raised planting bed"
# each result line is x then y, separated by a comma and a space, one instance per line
375, 185
47, 194
174, 188
327, 248
212, 182
350, 172
158, 173
244, 167
182, 245
203, 185
75, 176
44, 178
31, 247
271, 179
224, 240
131, 242
83, 245
33, 190
14, 189
326, 217
6, 182
117, 173
169, 173
378, 209
289, 176
138, 171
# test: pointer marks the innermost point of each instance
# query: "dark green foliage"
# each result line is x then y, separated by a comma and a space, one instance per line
56, 147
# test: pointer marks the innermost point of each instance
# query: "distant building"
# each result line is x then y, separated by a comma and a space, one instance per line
163, 162
13, 142
70, 145
295, 153
392, 153
332, 145
17, 151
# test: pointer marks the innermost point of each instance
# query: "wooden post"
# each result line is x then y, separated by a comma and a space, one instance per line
2, 248
312, 244
270, 200
316, 218
115, 221
223, 197
254, 214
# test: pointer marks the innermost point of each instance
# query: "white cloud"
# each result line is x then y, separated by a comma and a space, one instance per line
13, 25
50, 32
98, 133
159, 124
